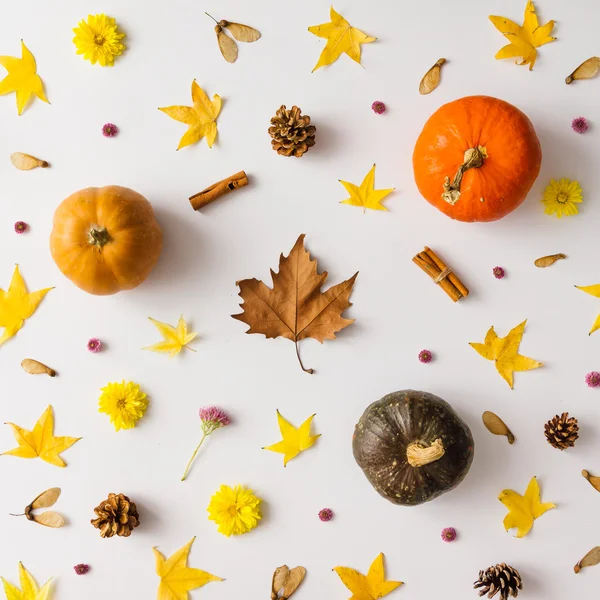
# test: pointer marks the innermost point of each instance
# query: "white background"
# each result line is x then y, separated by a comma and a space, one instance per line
398, 311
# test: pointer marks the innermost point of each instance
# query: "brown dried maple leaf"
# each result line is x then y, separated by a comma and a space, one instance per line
295, 308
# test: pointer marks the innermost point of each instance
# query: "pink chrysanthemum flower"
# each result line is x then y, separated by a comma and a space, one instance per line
425, 356
325, 514
579, 125
21, 227
211, 419
378, 107
94, 345
448, 534
109, 130
81, 569
593, 379
498, 272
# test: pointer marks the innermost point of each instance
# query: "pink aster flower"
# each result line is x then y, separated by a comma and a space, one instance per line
448, 534
81, 569
579, 125
21, 227
425, 356
109, 130
325, 514
211, 419
378, 107
94, 345
593, 379
498, 272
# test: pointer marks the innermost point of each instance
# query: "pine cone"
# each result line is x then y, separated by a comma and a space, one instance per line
500, 578
561, 432
117, 515
292, 133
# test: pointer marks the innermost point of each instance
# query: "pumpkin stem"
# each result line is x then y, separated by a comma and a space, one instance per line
99, 236
473, 159
310, 371
418, 455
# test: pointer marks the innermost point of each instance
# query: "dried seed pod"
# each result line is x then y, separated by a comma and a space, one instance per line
586, 70
227, 46
432, 78
295, 578
279, 578
494, 424
589, 560
35, 367
26, 162
44, 500
546, 261
594, 481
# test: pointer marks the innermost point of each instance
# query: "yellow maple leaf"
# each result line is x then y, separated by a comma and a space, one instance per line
41, 441
341, 38
523, 39
592, 290
22, 78
17, 305
29, 588
295, 440
371, 586
365, 195
201, 117
176, 578
505, 352
175, 338
523, 510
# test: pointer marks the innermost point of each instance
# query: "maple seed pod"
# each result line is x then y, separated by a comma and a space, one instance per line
34, 367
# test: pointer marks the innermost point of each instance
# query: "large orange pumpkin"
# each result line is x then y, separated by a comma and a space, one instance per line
105, 240
477, 158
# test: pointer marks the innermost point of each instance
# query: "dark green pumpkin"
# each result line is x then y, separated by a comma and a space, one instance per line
412, 447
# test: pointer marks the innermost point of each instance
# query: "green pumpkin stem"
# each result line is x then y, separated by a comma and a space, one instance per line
418, 455
99, 236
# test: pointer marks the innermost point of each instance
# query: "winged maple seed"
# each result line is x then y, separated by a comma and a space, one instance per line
44, 500
242, 33
295, 308
286, 581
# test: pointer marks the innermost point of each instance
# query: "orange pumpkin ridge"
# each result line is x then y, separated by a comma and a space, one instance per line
105, 240
477, 158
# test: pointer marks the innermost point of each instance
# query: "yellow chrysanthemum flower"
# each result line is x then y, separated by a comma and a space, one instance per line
98, 40
124, 403
235, 510
561, 197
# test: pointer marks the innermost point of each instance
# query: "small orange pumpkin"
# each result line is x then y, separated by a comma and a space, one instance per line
477, 158
105, 240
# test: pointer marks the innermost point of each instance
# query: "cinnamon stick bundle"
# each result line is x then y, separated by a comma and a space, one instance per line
216, 190
441, 274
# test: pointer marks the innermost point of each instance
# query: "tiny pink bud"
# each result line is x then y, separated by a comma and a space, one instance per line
593, 379
378, 107
94, 345
109, 130
580, 125
81, 569
21, 227
325, 514
425, 356
498, 272
448, 534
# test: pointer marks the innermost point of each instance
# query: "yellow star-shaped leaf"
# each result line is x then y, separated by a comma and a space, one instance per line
505, 352
22, 78
201, 117
369, 587
523, 39
41, 441
17, 305
175, 338
29, 588
523, 510
592, 290
295, 440
365, 195
341, 38
176, 578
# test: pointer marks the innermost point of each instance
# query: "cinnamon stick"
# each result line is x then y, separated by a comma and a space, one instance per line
216, 190
441, 274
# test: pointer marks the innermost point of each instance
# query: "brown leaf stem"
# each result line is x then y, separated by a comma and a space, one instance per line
309, 371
